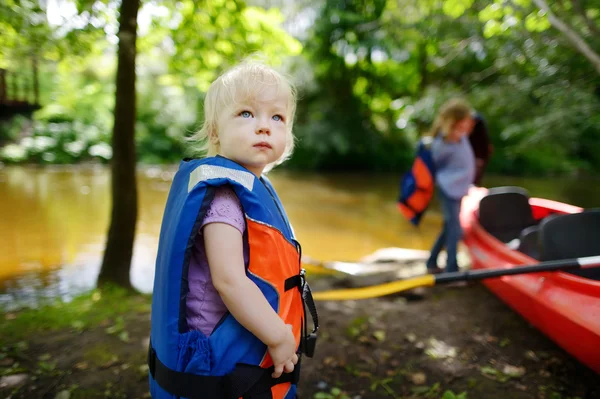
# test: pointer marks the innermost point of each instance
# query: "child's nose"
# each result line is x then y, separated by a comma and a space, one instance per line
263, 127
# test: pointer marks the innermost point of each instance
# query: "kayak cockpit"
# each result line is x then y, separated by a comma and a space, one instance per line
506, 214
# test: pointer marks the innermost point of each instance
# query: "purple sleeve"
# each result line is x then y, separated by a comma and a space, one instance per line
225, 208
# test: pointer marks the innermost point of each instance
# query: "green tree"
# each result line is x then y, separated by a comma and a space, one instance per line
576, 20
119, 245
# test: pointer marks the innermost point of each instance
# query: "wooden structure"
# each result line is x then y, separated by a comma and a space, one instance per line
19, 92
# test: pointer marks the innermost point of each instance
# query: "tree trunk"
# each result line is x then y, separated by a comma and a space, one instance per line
119, 246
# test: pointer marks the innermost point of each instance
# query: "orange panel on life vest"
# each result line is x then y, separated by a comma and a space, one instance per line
275, 259
422, 174
406, 211
419, 200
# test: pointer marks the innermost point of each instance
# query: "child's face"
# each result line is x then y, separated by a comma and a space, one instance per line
253, 132
462, 128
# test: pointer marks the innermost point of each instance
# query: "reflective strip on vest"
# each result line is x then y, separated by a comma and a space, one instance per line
208, 172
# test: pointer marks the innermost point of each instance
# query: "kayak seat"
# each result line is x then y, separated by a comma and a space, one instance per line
529, 243
505, 211
529, 239
572, 236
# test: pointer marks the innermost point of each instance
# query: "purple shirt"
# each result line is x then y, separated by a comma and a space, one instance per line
204, 306
454, 166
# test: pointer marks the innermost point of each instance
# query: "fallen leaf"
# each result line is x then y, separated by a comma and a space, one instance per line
488, 370
532, 356
491, 339
521, 387
440, 350
513, 371
418, 378
63, 395
82, 366
12, 381
478, 338
124, 336
363, 339
545, 374
379, 335
110, 363
328, 361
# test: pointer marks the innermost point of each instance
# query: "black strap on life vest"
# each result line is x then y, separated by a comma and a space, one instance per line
308, 341
246, 381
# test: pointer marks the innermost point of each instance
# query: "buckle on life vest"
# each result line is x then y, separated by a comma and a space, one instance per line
310, 343
310, 340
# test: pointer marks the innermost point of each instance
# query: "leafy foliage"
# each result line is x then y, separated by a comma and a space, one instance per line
536, 92
371, 75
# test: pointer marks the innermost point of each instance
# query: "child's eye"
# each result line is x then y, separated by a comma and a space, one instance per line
278, 118
246, 114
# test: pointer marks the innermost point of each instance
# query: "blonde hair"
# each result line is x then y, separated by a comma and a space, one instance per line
240, 83
450, 112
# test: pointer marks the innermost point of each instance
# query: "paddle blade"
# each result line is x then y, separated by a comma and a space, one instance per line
427, 280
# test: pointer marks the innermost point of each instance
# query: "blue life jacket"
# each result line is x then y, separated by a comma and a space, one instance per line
418, 184
231, 362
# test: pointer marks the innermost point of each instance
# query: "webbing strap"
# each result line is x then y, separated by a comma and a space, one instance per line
308, 341
300, 282
310, 304
246, 381
293, 282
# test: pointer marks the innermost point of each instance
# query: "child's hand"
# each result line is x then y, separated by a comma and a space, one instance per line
283, 353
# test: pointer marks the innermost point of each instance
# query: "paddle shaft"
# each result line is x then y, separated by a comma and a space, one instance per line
430, 280
549, 266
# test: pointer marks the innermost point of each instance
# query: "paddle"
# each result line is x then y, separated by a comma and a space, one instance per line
430, 280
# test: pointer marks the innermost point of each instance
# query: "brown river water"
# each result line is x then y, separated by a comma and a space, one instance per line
53, 221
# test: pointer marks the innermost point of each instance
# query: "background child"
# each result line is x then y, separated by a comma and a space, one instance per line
455, 170
249, 113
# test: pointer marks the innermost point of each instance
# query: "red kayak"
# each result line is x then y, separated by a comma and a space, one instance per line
504, 228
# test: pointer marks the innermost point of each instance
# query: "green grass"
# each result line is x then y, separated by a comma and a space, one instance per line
83, 312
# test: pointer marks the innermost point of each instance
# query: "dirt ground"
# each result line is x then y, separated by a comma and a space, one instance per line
449, 343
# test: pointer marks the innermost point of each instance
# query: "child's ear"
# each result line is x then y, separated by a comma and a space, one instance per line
213, 136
